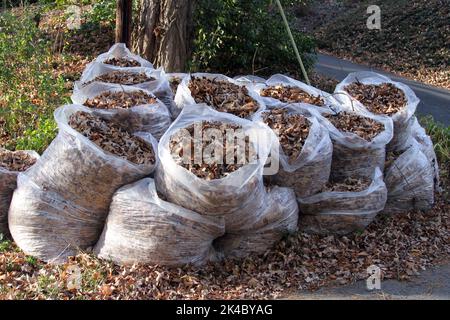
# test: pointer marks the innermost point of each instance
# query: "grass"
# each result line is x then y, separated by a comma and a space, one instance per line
440, 135
29, 89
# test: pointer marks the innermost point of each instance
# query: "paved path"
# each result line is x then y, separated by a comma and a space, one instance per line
434, 101
432, 284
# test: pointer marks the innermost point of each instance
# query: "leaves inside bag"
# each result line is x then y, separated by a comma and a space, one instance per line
290, 94
292, 130
384, 98
123, 77
113, 138
122, 62
364, 127
223, 96
221, 149
349, 184
122, 99
18, 161
174, 83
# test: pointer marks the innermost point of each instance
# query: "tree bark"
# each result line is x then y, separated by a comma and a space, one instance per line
163, 32
124, 21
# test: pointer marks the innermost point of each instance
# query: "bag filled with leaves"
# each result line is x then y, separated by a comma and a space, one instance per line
409, 178
381, 96
280, 90
359, 141
148, 79
11, 164
220, 93
249, 79
344, 206
427, 147
276, 218
61, 202
119, 56
212, 162
305, 149
143, 228
136, 109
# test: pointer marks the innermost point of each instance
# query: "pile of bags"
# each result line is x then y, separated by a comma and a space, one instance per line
81, 196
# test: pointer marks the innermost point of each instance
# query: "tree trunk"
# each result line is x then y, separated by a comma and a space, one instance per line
163, 32
123, 21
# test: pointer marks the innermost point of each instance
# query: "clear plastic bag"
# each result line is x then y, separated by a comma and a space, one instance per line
278, 217
279, 79
402, 120
159, 86
410, 181
241, 188
62, 201
174, 110
143, 228
154, 118
311, 170
249, 79
8, 183
426, 146
343, 212
119, 50
354, 156
184, 97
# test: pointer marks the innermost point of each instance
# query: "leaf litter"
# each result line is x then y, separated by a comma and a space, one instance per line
292, 130
349, 184
364, 127
223, 96
290, 94
17, 161
384, 99
122, 62
221, 165
123, 77
113, 138
121, 99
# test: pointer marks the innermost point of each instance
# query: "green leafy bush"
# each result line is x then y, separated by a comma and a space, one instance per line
29, 90
238, 36
103, 11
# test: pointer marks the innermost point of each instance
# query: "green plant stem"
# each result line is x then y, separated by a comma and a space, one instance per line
294, 45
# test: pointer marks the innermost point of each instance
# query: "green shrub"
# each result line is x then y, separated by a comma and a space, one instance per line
440, 135
103, 11
29, 90
238, 36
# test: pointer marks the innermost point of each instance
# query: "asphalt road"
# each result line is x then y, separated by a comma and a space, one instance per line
433, 101
432, 284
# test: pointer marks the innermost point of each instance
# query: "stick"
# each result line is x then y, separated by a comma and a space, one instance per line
294, 45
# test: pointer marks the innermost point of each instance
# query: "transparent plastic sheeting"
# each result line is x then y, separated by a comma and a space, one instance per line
311, 170
8, 183
410, 181
426, 146
143, 228
119, 50
61, 203
278, 217
184, 96
154, 118
354, 156
402, 119
159, 85
285, 81
343, 212
219, 196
